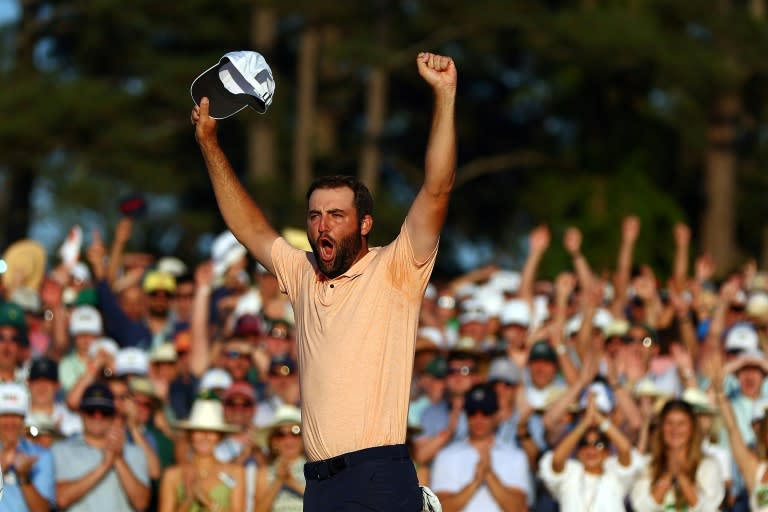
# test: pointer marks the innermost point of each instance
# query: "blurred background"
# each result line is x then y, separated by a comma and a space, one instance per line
569, 113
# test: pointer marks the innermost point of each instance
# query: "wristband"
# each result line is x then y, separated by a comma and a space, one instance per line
24, 480
604, 425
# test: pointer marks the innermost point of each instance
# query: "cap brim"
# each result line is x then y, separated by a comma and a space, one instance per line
186, 425
222, 103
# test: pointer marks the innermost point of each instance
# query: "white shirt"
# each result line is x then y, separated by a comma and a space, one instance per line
454, 468
710, 490
578, 491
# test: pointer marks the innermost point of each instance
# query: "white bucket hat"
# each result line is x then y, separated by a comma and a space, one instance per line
206, 415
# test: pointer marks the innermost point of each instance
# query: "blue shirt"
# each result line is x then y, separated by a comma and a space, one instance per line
41, 475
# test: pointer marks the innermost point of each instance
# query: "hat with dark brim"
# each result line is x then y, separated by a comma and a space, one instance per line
240, 79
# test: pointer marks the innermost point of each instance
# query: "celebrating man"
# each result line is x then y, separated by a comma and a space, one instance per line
356, 309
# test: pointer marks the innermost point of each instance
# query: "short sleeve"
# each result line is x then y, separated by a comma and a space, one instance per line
552, 480
137, 461
43, 476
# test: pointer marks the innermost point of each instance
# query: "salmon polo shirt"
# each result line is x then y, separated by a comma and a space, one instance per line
355, 336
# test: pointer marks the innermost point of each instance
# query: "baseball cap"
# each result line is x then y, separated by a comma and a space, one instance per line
156, 280
85, 320
248, 325
98, 396
107, 345
240, 388
131, 361
43, 368
541, 350
741, 337
282, 366
481, 398
504, 369
279, 329
12, 315
240, 79
225, 252
164, 353
214, 379
437, 367
516, 312
14, 399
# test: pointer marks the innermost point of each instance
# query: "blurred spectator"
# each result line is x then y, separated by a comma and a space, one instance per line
43, 385
479, 473
229, 272
282, 388
431, 389
241, 447
595, 479
543, 377
13, 339
100, 471
678, 475
28, 477
203, 483
445, 421
85, 325
280, 486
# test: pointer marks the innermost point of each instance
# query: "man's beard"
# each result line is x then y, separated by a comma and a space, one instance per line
346, 250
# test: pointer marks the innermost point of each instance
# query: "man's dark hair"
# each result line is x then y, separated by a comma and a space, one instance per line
363, 199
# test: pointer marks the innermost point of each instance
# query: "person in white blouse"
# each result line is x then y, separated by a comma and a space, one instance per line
595, 481
753, 466
678, 475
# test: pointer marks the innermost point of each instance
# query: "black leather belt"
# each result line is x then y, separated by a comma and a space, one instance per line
325, 469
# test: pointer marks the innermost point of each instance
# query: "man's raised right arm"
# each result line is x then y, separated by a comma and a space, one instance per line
243, 216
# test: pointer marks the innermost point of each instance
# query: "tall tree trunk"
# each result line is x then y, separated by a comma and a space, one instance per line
375, 107
261, 150
309, 49
757, 8
719, 220
18, 213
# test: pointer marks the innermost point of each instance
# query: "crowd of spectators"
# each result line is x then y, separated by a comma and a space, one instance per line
134, 382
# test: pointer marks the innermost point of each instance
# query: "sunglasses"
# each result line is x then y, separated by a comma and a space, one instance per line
185, 295
161, 293
294, 431
461, 370
238, 404
596, 443
105, 413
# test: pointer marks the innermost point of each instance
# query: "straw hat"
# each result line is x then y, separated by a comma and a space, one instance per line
286, 414
207, 415
25, 262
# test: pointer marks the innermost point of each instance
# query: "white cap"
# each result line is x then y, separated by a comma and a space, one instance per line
617, 327
490, 300
602, 319
215, 378
131, 361
515, 312
107, 345
240, 79
225, 252
85, 320
505, 281
14, 399
171, 265
164, 353
742, 336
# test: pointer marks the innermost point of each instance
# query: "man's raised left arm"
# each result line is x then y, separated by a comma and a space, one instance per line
427, 214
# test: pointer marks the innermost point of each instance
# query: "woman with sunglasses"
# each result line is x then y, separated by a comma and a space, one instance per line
280, 486
595, 480
678, 475
203, 484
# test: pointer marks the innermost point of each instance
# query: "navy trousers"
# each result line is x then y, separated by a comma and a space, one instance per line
380, 479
